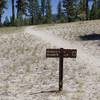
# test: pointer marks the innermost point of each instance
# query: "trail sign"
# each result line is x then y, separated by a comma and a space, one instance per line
61, 53
67, 53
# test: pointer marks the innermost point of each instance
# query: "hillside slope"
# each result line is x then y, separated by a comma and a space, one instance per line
25, 72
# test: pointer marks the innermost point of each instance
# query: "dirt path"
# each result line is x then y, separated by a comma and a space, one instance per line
92, 62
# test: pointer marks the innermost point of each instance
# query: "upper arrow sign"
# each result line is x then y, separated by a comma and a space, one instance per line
66, 53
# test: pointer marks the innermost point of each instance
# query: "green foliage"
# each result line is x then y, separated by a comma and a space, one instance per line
6, 22
21, 7
22, 22
3, 6
68, 8
86, 9
98, 3
59, 10
60, 14
39, 17
98, 9
98, 13
93, 12
62, 19
33, 10
18, 22
81, 8
48, 12
43, 7
13, 12
39, 11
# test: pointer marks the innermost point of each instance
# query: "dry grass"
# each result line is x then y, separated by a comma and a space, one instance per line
7, 30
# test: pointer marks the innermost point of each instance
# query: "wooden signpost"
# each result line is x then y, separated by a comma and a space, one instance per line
61, 53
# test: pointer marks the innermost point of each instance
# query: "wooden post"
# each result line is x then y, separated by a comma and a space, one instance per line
61, 70
61, 54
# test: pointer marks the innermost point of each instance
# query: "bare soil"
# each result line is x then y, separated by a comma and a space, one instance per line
26, 73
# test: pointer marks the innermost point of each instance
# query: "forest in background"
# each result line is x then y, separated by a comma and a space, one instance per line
34, 12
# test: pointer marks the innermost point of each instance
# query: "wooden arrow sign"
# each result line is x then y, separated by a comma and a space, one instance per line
67, 53
61, 53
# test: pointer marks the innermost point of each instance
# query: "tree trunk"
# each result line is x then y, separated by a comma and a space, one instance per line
20, 8
32, 19
0, 19
86, 10
95, 8
0, 10
69, 9
13, 12
43, 7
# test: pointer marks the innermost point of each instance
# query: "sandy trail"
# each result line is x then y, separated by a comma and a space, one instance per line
25, 71
92, 62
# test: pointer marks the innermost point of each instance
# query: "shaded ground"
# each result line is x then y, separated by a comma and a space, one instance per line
93, 36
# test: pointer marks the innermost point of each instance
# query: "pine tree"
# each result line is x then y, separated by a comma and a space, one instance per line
82, 9
94, 11
6, 22
36, 7
81, 6
48, 12
40, 18
98, 3
43, 6
33, 9
98, 9
68, 5
86, 9
13, 11
0, 11
3, 5
75, 8
20, 8
95, 5
59, 10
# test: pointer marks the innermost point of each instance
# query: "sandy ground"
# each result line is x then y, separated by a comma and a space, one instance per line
25, 72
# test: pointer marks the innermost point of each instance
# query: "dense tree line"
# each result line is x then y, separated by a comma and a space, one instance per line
30, 12
3, 5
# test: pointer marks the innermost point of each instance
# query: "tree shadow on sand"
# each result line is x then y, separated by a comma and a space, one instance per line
52, 91
92, 36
